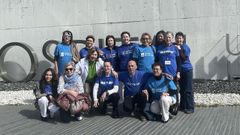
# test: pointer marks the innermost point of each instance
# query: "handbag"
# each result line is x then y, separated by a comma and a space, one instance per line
82, 103
63, 101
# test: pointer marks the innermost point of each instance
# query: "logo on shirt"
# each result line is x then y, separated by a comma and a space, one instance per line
167, 52
106, 82
133, 84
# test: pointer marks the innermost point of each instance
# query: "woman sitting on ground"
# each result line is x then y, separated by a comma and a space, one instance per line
46, 94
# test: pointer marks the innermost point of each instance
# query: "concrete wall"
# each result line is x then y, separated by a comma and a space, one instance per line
205, 23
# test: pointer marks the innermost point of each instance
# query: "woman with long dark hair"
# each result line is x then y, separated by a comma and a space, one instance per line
46, 94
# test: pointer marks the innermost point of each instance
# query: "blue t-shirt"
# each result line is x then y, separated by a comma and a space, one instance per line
62, 55
48, 89
186, 64
106, 83
167, 56
84, 52
157, 87
132, 84
124, 53
110, 55
144, 55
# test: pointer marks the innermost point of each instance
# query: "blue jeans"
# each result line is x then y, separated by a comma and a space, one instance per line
186, 91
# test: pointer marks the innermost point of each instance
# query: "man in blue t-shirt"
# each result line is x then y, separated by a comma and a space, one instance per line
132, 80
105, 91
160, 93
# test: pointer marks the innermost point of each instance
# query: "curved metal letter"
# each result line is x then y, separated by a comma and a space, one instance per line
31, 53
46, 49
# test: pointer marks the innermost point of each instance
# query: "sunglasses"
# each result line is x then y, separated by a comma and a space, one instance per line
68, 69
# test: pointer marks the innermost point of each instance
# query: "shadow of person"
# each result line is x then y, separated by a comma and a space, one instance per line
35, 114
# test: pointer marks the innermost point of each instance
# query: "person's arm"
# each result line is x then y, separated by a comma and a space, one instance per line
56, 67
60, 88
37, 91
95, 90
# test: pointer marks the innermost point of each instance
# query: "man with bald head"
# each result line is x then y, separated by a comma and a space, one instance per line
132, 80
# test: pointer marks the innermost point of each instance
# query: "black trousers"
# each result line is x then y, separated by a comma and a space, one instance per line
113, 98
186, 91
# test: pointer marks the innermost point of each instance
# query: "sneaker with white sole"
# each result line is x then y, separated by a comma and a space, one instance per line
79, 118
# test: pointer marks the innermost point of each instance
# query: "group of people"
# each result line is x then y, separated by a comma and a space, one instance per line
137, 79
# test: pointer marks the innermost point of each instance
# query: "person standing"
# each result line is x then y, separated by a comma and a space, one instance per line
185, 82
90, 40
144, 54
110, 52
65, 52
125, 51
168, 56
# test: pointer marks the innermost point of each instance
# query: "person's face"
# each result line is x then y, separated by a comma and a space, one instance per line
48, 76
160, 37
69, 70
132, 67
169, 38
110, 42
157, 71
179, 40
126, 38
107, 67
89, 43
146, 40
67, 38
93, 56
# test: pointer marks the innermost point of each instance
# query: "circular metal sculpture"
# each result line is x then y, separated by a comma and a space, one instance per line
46, 49
31, 53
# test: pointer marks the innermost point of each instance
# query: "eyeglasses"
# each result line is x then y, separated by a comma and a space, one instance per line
68, 69
145, 38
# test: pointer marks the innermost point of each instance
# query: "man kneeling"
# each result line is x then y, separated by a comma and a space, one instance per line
160, 94
105, 91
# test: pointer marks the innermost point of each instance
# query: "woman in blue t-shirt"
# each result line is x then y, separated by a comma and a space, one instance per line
185, 82
125, 51
144, 54
168, 57
110, 52
65, 52
46, 94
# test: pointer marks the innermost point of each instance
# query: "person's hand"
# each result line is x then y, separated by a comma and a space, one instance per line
146, 93
115, 74
165, 94
50, 98
178, 76
178, 47
96, 104
103, 97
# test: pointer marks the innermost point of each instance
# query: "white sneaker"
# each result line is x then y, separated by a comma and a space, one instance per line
79, 118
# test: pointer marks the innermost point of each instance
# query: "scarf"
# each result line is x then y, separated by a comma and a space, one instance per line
70, 81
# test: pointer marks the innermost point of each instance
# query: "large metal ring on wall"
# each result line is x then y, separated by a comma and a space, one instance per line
31, 53
46, 49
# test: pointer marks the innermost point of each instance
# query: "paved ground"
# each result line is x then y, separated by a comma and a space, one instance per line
24, 120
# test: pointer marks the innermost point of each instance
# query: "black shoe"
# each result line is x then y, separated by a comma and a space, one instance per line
115, 114
142, 118
188, 111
